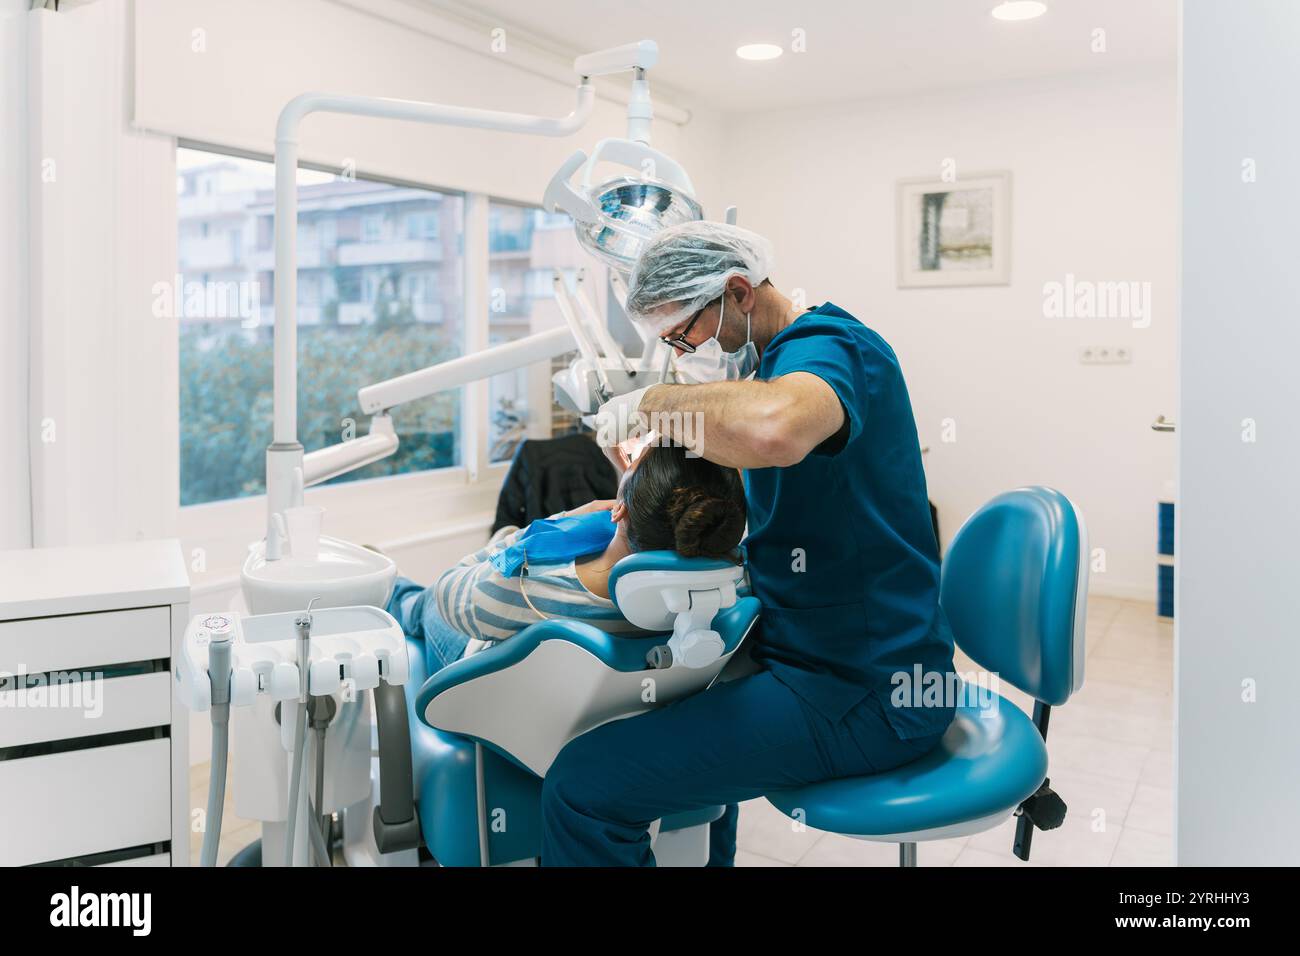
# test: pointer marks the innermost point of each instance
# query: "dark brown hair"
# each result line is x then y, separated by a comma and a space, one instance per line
680, 503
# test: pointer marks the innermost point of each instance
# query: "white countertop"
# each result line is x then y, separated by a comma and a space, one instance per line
39, 582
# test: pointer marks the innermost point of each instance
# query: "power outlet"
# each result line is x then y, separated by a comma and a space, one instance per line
1106, 355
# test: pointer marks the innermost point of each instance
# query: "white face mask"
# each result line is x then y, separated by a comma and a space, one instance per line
708, 363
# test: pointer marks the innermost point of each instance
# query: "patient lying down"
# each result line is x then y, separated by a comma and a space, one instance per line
665, 501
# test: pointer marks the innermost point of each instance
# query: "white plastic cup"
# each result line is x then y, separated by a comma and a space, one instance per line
304, 525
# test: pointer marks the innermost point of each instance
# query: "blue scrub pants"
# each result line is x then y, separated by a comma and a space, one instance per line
413, 606
733, 742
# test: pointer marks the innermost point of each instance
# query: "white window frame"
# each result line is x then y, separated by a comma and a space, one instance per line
465, 493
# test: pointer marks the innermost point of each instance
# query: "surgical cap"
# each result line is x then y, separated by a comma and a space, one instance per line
685, 267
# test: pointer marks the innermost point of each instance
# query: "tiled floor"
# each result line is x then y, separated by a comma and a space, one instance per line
1110, 748
1111, 761
235, 833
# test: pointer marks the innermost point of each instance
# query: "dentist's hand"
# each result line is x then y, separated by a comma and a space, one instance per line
618, 419
600, 504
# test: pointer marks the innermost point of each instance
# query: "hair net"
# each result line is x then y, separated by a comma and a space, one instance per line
685, 267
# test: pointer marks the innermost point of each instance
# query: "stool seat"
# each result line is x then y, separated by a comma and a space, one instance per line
990, 760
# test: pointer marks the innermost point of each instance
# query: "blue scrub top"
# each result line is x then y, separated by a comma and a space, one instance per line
841, 546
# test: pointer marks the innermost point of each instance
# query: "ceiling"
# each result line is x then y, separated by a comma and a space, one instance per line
854, 48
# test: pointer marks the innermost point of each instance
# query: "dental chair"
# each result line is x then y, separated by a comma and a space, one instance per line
1014, 587
484, 730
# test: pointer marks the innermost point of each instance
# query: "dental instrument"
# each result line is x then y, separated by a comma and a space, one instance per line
302, 625
219, 631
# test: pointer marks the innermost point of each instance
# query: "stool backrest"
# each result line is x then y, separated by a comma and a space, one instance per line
1014, 588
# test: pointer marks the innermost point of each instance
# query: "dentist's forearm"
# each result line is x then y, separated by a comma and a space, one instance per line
735, 424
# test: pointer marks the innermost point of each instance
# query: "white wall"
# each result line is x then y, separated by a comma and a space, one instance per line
1238, 761
222, 71
1093, 194
101, 233
15, 488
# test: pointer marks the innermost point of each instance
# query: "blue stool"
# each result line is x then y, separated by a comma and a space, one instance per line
1014, 588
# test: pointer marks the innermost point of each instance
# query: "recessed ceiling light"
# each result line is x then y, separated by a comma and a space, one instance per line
758, 51
1019, 10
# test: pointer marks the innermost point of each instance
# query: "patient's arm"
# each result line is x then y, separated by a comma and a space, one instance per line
455, 589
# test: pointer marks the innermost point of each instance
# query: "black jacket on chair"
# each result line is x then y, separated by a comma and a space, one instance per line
551, 475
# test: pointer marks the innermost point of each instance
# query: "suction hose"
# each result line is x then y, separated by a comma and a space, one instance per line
322, 710
219, 676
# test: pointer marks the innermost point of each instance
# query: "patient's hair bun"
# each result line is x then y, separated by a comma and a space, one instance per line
705, 525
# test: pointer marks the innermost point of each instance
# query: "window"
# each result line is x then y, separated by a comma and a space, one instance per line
359, 321
423, 225
551, 220
525, 250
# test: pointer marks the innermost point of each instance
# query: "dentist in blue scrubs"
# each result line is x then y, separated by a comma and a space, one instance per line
812, 405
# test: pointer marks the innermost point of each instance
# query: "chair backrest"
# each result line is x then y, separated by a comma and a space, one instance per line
1015, 588
530, 695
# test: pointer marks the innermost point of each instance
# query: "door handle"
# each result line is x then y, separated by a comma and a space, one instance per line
1162, 424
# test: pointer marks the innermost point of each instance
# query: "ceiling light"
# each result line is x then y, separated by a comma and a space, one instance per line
1019, 10
758, 51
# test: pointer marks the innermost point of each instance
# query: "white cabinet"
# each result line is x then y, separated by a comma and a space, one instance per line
94, 764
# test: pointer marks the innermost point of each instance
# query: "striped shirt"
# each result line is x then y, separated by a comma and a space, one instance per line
476, 599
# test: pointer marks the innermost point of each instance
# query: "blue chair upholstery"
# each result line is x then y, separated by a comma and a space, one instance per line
1014, 585
446, 764
991, 758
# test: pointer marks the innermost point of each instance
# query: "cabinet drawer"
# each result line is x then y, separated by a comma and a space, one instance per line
85, 708
84, 801
85, 640
158, 859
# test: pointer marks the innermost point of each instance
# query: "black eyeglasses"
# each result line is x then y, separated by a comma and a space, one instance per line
679, 340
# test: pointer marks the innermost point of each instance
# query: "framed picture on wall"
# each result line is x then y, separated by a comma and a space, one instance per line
954, 233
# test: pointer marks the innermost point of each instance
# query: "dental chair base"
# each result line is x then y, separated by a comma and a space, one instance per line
477, 807
485, 730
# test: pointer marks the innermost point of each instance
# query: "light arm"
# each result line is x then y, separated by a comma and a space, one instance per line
377, 399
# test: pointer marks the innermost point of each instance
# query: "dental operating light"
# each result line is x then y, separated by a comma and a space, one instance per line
614, 218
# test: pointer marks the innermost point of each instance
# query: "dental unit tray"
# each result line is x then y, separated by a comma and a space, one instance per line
350, 646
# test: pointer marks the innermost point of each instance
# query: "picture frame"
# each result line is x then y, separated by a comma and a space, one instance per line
954, 233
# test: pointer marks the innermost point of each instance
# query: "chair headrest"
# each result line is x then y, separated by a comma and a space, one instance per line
651, 587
